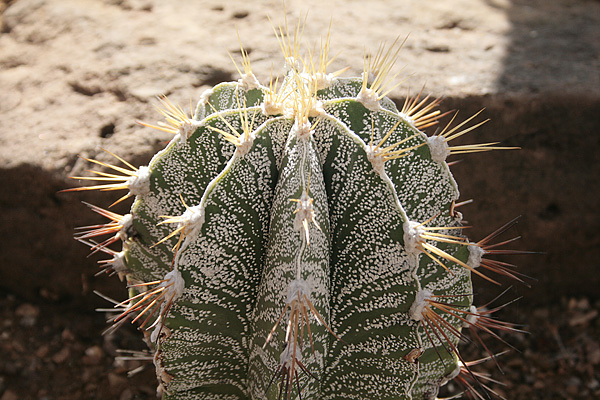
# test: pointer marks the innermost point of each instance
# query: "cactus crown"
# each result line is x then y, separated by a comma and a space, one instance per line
300, 239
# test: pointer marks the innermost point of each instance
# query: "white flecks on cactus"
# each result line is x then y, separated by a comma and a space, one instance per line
438, 147
421, 301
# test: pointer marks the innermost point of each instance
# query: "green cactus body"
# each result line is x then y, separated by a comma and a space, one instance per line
292, 240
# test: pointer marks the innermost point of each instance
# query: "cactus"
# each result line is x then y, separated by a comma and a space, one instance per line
300, 239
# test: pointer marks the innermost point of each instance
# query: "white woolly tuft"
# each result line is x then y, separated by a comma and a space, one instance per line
416, 309
245, 144
376, 161
297, 289
292, 63
317, 109
248, 81
369, 98
472, 317
322, 80
139, 184
302, 131
174, 284
287, 355
412, 236
269, 107
117, 263
126, 224
305, 212
192, 219
476, 253
438, 147
187, 129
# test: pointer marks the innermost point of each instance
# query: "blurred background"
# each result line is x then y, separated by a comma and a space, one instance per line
75, 75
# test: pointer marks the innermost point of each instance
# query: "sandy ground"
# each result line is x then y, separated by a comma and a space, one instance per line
75, 75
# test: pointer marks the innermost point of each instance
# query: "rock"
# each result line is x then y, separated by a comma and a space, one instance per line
28, 314
42, 351
9, 395
116, 380
61, 356
93, 355
583, 318
67, 335
126, 395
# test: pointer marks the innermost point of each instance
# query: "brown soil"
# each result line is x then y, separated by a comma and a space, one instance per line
51, 351
76, 74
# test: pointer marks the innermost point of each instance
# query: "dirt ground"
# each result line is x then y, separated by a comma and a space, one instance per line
75, 75
55, 352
